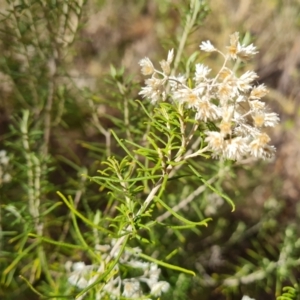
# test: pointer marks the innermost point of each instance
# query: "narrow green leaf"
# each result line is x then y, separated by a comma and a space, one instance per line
46, 212
144, 109
152, 142
126, 180
44, 296
163, 186
140, 147
107, 184
289, 289
83, 218
31, 287
184, 220
113, 71
164, 264
142, 239
60, 244
157, 138
20, 256
82, 240
130, 154
170, 255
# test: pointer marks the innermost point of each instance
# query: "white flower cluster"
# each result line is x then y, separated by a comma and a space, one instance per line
4, 161
233, 103
82, 276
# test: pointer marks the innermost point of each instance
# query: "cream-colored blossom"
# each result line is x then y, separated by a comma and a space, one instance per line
159, 288
234, 43
271, 119
246, 52
177, 82
153, 90
258, 92
245, 130
225, 128
206, 111
257, 105
147, 66
207, 47
241, 98
244, 82
265, 119
215, 141
170, 56
228, 87
132, 288
264, 152
112, 288
228, 113
225, 74
188, 97
151, 275
259, 147
236, 148
201, 72
259, 119
226, 92
81, 275
78, 280
165, 66
137, 264
200, 89
236, 50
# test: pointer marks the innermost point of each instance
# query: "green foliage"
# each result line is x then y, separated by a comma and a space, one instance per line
289, 293
107, 196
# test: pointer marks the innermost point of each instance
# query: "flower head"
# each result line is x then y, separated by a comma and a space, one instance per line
207, 47
258, 92
170, 56
262, 118
236, 50
147, 66
236, 148
234, 45
259, 147
206, 111
159, 287
246, 52
244, 82
132, 288
153, 90
201, 72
